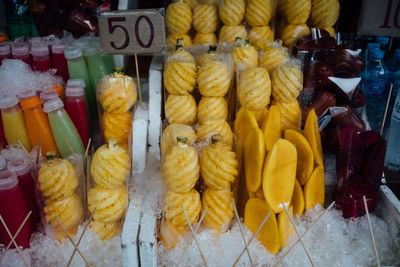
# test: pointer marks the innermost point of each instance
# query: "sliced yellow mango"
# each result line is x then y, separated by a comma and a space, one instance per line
314, 190
271, 127
285, 226
254, 153
254, 213
257, 194
297, 199
279, 174
305, 158
244, 122
311, 132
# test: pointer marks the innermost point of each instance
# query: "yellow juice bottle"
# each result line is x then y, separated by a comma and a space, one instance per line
13, 122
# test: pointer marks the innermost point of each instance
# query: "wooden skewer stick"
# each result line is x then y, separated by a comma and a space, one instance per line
80, 238
16, 234
251, 239
241, 231
195, 231
87, 148
194, 237
72, 241
138, 78
39, 151
69, 145
23, 148
371, 231
386, 108
13, 241
304, 234
298, 234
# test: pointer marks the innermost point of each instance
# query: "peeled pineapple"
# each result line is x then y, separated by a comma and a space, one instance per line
173, 38
324, 13
212, 108
258, 12
293, 32
231, 12
218, 165
214, 78
271, 57
205, 18
181, 109
209, 127
220, 210
205, 38
286, 82
181, 167
297, 11
260, 33
168, 139
180, 77
230, 33
180, 54
254, 88
211, 55
244, 54
290, 115
178, 18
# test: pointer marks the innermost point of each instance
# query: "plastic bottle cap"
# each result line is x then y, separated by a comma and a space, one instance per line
91, 50
35, 40
48, 95
377, 54
3, 163
26, 94
74, 91
8, 102
72, 52
58, 48
5, 49
19, 165
76, 82
8, 179
382, 40
52, 105
20, 49
39, 50
30, 102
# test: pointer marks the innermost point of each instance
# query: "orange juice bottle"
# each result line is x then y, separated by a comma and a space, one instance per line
36, 121
13, 122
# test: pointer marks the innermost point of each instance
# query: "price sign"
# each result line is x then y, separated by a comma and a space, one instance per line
380, 17
132, 31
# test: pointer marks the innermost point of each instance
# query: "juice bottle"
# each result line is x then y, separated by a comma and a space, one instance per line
76, 109
40, 57
5, 52
3, 141
59, 61
58, 88
36, 121
78, 70
13, 122
47, 95
21, 51
13, 209
22, 167
63, 129
97, 68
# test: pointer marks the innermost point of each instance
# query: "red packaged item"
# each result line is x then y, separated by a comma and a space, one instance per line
80, 23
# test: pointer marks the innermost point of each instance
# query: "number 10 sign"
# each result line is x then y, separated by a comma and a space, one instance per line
132, 31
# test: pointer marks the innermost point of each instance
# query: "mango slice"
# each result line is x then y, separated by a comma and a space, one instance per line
257, 194
297, 199
254, 153
314, 190
279, 174
254, 213
285, 226
311, 132
271, 127
305, 158
244, 122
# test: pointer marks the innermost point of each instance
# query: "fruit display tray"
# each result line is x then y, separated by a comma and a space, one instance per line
139, 235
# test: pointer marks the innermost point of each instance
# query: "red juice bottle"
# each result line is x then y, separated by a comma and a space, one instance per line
13, 209
76, 109
5, 52
40, 57
22, 167
59, 61
21, 51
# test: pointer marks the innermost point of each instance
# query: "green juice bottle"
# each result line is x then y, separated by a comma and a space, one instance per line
63, 129
96, 66
78, 69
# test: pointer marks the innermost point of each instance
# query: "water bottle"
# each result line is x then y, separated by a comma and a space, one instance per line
376, 84
393, 65
19, 18
383, 41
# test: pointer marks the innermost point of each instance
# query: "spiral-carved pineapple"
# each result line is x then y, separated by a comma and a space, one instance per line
205, 18
210, 127
286, 82
297, 11
205, 38
245, 54
220, 209
178, 18
254, 88
168, 139
212, 108
324, 13
181, 109
181, 167
260, 33
231, 12
258, 12
214, 78
173, 38
290, 114
230, 33
292, 33
180, 77
272, 56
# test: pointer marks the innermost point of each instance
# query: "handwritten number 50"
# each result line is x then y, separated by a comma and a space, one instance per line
112, 28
